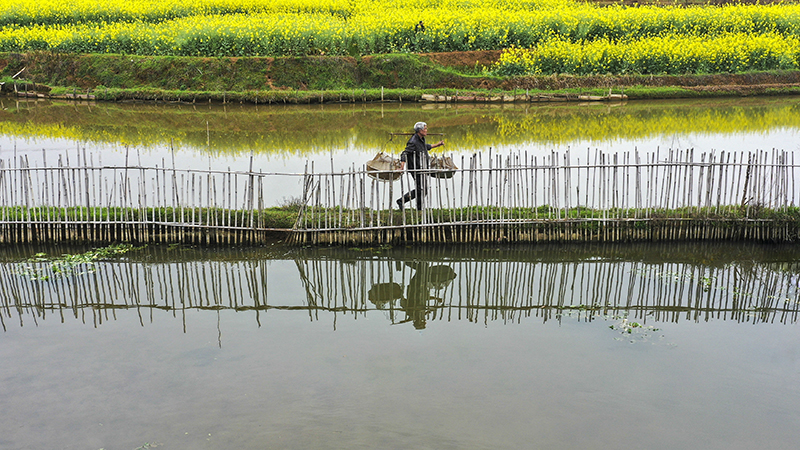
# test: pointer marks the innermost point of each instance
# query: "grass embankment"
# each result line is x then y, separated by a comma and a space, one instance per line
315, 79
319, 226
298, 51
284, 217
279, 217
546, 213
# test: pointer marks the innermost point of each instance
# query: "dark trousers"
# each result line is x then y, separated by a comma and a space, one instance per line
420, 191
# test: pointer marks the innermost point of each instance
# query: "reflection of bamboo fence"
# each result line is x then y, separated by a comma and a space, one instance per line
479, 291
486, 291
677, 195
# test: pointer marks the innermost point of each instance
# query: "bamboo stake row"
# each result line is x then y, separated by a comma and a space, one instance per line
522, 198
479, 291
577, 230
78, 199
672, 195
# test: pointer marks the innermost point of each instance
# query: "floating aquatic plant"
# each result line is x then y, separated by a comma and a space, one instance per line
45, 268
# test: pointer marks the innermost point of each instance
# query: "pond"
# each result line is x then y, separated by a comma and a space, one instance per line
673, 346
287, 140
669, 346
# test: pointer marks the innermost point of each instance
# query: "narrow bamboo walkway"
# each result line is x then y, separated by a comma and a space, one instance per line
514, 197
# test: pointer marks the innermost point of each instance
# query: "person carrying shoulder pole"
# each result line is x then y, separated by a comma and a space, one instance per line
417, 158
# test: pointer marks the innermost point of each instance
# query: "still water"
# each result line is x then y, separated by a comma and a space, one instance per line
288, 139
678, 346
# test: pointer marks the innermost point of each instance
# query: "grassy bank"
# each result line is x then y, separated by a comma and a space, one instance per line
284, 217
320, 79
361, 227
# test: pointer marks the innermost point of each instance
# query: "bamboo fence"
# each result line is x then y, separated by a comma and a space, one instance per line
670, 195
454, 289
515, 197
85, 201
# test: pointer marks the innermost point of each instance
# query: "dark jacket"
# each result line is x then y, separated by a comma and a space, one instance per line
416, 153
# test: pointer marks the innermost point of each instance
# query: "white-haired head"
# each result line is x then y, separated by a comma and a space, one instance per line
419, 126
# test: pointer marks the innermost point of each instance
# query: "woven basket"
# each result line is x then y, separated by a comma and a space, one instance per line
384, 167
443, 167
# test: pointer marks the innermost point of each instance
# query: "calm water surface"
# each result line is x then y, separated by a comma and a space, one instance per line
678, 346
290, 139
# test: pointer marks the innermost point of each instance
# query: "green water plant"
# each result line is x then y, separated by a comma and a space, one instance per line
46, 268
631, 330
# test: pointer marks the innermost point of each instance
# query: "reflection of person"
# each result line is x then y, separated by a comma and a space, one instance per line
417, 158
418, 293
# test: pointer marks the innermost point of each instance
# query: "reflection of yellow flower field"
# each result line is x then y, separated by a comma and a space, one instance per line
567, 36
309, 130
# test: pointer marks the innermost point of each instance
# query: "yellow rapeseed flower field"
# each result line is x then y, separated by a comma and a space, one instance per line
539, 36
